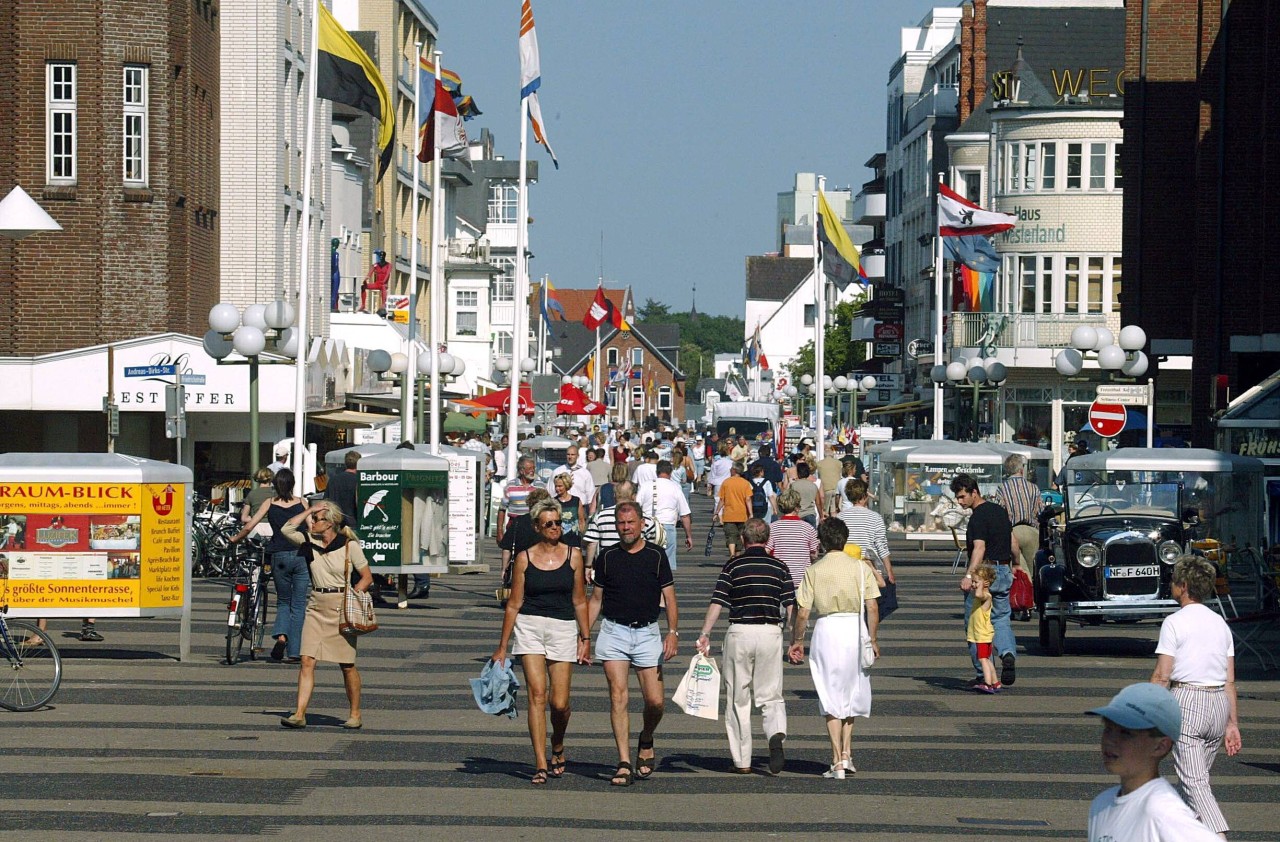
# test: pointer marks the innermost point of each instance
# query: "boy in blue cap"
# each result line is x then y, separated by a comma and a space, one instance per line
1139, 728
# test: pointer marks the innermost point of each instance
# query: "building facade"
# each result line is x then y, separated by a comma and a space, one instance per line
112, 127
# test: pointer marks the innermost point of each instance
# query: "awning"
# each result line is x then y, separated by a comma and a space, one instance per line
351, 418
897, 408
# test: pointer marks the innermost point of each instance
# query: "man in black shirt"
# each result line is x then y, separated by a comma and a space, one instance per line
772, 470
989, 540
632, 581
758, 591
342, 488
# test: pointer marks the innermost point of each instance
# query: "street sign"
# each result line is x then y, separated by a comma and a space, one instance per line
891, 332
894, 295
884, 312
1107, 419
888, 349
919, 347
1125, 394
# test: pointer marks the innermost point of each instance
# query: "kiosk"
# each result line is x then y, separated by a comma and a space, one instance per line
548, 453
402, 502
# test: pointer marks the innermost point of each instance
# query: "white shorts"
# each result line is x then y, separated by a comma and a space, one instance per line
556, 640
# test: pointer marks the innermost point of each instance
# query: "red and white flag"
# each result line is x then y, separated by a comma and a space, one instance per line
442, 128
601, 311
959, 217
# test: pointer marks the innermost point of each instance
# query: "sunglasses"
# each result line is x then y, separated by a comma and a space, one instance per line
547, 524
318, 518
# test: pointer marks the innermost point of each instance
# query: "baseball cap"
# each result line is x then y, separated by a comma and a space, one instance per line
1144, 705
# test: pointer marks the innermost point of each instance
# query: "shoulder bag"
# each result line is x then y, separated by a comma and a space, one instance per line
357, 606
660, 531
867, 650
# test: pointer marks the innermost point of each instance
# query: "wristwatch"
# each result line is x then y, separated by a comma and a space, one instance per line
673, 631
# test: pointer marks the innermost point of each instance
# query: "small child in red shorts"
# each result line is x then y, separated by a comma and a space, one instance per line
980, 632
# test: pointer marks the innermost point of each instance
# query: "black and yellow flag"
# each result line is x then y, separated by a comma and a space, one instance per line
346, 74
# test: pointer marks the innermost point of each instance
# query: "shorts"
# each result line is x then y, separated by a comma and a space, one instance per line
642, 646
555, 640
733, 535
984, 651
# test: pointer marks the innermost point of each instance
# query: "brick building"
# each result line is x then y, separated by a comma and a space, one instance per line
1202, 168
112, 126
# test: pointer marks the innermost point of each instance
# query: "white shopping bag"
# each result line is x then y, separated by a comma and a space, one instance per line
698, 693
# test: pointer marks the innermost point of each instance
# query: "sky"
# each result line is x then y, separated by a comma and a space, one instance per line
677, 124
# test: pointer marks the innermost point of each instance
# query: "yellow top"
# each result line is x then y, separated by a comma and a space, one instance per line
979, 628
834, 584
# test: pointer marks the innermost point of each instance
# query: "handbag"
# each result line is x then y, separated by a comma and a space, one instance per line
1022, 596
659, 531
357, 606
888, 600
866, 649
698, 693
711, 539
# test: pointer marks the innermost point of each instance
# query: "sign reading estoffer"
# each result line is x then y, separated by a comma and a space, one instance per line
93, 549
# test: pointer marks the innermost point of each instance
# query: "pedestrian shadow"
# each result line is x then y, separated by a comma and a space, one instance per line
723, 764
946, 682
520, 771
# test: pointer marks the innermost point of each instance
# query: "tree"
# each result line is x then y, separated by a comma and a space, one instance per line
841, 354
653, 311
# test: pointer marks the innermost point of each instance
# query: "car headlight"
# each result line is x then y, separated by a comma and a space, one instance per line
1089, 555
1169, 551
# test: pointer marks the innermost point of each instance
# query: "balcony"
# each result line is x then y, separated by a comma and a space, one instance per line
938, 102
869, 207
1022, 330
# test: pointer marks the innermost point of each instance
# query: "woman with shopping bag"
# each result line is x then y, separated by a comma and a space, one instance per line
547, 614
841, 590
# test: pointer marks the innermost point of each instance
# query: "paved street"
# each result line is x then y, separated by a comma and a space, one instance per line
138, 745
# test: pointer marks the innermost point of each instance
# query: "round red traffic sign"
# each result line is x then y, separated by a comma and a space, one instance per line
782, 382
1107, 419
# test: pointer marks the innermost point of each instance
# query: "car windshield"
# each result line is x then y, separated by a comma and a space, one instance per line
1094, 494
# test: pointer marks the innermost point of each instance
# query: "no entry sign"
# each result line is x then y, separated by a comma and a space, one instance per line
1107, 419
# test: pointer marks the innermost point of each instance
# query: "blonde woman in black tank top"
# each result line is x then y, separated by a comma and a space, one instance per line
547, 613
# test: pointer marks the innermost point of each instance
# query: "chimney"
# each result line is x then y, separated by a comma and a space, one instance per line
979, 51
966, 68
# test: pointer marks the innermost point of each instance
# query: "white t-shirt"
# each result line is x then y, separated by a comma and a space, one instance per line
646, 473
1199, 641
1154, 812
671, 504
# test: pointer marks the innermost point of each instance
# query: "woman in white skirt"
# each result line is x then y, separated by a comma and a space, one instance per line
547, 612
834, 588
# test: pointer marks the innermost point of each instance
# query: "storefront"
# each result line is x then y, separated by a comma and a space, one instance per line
1251, 427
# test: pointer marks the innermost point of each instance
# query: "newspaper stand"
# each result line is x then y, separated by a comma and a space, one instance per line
466, 508
402, 511
96, 535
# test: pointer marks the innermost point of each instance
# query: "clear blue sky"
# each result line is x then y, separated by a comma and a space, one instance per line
677, 124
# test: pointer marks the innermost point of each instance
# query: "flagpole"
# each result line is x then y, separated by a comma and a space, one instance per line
437, 302
937, 321
595, 369
520, 341
304, 263
819, 341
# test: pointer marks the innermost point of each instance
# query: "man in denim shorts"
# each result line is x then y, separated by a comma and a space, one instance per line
632, 581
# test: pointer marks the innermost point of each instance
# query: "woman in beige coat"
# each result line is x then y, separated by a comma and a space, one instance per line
331, 550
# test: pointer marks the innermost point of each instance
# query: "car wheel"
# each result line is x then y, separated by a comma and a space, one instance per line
1057, 633
1044, 631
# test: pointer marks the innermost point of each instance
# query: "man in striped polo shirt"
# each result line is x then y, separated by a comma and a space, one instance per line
757, 590
1020, 497
515, 496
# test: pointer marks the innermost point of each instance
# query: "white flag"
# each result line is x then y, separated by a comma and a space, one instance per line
531, 76
959, 217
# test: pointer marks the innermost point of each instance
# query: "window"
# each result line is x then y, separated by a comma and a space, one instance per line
135, 126
1015, 167
971, 181
1094, 304
664, 398
810, 314
60, 122
637, 356
465, 316
503, 201
502, 344
1086, 284
637, 397
611, 357
1048, 166
504, 284
1117, 175
1116, 278
1035, 282
1097, 166
1073, 283
1075, 154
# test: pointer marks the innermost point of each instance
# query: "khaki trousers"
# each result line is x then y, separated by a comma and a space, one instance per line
752, 671
1028, 543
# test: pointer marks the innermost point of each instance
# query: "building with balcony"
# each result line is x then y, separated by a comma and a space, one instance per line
1054, 143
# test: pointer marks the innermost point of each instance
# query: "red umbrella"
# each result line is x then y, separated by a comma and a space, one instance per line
571, 400
500, 401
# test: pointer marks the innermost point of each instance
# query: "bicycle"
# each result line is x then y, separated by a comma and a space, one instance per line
34, 665
247, 609
212, 555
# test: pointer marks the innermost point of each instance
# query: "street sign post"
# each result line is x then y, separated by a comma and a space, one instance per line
891, 332
1125, 394
888, 349
1107, 419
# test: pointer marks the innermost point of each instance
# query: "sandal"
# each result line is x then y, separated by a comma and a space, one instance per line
622, 777
645, 765
539, 777
557, 763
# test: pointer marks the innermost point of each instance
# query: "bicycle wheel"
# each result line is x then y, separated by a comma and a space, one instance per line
259, 630
235, 637
33, 682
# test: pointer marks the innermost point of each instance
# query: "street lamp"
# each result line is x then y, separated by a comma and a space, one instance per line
855, 386
977, 372
261, 328
1123, 354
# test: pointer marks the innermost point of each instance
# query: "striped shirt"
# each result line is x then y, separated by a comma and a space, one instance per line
515, 498
755, 587
603, 529
1020, 498
866, 529
793, 542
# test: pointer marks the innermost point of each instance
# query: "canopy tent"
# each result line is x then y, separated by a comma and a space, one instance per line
500, 401
573, 401
457, 422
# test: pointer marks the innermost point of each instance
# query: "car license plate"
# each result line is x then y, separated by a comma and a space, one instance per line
1133, 572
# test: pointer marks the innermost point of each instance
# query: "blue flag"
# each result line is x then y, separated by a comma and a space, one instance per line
975, 251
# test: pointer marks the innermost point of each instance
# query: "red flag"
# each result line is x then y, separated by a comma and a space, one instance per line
601, 311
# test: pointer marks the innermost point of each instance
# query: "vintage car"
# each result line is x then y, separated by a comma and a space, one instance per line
1126, 515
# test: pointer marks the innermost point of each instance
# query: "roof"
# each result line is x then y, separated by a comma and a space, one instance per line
576, 343
772, 278
663, 336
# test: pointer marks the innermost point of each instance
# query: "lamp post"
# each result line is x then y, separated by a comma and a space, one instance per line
261, 328
977, 372
449, 367
855, 386
1113, 353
